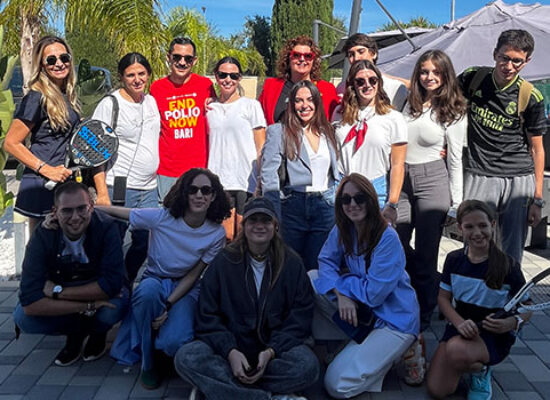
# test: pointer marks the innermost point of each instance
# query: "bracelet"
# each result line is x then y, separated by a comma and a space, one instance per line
90, 309
40, 166
393, 205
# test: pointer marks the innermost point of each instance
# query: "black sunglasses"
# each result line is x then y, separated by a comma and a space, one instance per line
233, 75
65, 58
360, 82
359, 198
187, 58
205, 190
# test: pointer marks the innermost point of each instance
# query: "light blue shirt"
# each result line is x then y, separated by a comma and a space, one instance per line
386, 288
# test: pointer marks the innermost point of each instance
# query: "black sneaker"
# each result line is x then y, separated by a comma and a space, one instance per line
95, 347
71, 352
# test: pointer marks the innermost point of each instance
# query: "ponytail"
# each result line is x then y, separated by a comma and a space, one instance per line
499, 266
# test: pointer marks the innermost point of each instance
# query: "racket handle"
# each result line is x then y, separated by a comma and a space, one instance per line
50, 185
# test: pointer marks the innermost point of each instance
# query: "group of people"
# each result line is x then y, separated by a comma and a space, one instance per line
347, 174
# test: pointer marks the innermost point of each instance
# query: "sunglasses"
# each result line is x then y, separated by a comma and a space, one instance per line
65, 58
359, 198
67, 212
516, 62
205, 190
296, 55
233, 75
360, 82
178, 57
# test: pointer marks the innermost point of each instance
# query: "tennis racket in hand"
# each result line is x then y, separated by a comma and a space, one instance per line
92, 144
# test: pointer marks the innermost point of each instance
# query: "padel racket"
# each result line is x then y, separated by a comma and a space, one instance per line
538, 298
92, 144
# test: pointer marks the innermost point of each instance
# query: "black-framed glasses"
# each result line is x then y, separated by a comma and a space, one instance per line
233, 75
360, 82
516, 62
186, 58
205, 190
359, 198
65, 58
67, 212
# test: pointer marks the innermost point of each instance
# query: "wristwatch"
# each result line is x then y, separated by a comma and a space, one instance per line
393, 205
520, 322
90, 309
539, 202
56, 291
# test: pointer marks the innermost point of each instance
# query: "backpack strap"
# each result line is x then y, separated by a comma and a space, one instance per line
479, 76
525, 89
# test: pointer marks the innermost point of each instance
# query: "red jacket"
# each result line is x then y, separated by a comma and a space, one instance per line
272, 90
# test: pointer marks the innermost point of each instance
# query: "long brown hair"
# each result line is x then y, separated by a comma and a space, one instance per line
283, 61
447, 101
374, 226
292, 124
499, 262
52, 95
350, 103
276, 252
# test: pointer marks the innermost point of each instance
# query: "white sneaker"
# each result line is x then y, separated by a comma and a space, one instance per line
287, 397
195, 394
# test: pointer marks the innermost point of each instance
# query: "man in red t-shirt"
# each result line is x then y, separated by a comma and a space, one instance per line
180, 98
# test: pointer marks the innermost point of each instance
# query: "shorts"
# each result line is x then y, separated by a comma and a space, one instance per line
498, 345
33, 199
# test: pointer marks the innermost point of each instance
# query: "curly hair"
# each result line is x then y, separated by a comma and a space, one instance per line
283, 61
177, 199
292, 124
374, 225
350, 103
447, 101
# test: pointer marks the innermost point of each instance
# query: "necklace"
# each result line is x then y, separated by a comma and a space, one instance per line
258, 257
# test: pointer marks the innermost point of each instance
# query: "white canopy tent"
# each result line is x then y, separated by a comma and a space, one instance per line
471, 40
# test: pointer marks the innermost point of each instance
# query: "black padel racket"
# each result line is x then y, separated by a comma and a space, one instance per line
92, 144
538, 296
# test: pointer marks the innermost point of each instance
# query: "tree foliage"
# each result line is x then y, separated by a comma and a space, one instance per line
419, 22
257, 31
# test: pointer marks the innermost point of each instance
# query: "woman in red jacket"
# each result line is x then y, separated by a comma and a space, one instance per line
299, 60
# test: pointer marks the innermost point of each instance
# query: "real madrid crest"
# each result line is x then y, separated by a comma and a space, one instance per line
512, 108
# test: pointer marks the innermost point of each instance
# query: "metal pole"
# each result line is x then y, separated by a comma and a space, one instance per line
452, 10
397, 24
353, 28
316, 31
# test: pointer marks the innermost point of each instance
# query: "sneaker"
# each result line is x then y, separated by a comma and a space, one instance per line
415, 363
480, 385
95, 347
150, 379
71, 352
195, 394
287, 397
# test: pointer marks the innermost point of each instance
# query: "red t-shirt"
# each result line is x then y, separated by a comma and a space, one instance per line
183, 143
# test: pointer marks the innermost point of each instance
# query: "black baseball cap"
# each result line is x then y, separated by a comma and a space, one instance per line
259, 205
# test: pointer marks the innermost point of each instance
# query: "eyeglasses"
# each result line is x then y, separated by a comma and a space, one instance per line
516, 62
65, 58
67, 212
187, 58
205, 190
233, 75
296, 55
259, 219
359, 198
360, 82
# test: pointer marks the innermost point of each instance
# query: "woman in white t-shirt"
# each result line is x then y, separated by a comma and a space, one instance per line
185, 236
436, 120
373, 136
137, 126
236, 129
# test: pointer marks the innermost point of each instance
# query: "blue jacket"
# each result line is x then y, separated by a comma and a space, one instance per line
298, 170
385, 288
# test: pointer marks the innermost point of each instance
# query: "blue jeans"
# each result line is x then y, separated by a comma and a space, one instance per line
164, 184
137, 252
291, 371
381, 187
69, 324
307, 219
136, 338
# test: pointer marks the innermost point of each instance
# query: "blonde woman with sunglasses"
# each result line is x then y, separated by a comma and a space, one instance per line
47, 113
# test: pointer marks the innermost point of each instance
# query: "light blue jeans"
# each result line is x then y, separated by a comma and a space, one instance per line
164, 184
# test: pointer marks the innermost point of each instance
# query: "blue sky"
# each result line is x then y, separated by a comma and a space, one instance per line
228, 16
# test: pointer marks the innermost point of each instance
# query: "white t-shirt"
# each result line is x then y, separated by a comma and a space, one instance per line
373, 157
258, 269
319, 164
395, 89
134, 119
426, 139
75, 248
175, 247
232, 154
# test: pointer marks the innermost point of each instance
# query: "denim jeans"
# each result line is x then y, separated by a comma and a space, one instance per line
289, 372
381, 187
307, 219
164, 184
101, 322
136, 338
137, 252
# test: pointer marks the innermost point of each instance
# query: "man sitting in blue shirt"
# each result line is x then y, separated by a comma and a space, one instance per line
73, 276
